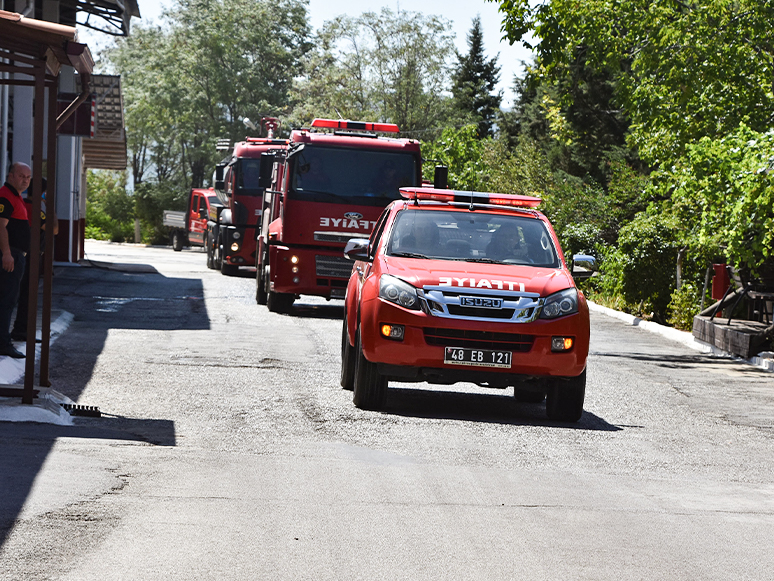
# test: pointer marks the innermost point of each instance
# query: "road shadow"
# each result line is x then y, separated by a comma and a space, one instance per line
100, 299
304, 310
684, 361
495, 408
24, 448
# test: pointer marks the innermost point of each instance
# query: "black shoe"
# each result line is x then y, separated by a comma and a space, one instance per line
11, 351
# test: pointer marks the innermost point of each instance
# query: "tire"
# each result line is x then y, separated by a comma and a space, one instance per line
369, 386
525, 395
564, 401
217, 256
210, 252
260, 287
279, 302
228, 269
347, 378
177, 241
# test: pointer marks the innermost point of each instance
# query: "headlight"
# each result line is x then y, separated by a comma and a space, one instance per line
559, 304
396, 291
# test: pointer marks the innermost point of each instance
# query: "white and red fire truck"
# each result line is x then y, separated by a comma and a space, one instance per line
233, 229
330, 185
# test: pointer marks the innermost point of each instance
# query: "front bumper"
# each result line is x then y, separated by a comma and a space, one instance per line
321, 272
419, 356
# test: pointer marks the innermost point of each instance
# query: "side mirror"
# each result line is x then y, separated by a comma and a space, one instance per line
203, 213
217, 179
267, 167
583, 266
441, 177
357, 249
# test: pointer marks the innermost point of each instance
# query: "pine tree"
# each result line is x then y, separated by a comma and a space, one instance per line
474, 82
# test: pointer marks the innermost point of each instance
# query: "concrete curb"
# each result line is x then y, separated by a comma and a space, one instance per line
763, 360
45, 409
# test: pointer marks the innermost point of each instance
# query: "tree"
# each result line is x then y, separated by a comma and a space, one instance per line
385, 67
474, 82
193, 81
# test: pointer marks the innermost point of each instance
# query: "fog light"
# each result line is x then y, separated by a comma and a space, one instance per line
294, 259
561, 343
294, 269
234, 247
394, 332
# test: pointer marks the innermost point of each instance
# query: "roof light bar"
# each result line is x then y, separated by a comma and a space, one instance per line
356, 125
512, 200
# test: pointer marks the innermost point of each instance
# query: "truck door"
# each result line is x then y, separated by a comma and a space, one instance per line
198, 219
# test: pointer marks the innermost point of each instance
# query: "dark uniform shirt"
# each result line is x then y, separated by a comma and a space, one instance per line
13, 208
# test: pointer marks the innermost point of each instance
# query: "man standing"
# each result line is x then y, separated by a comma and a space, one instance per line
19, 330
14, 246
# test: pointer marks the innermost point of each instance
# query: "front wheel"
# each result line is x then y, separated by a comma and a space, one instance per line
564, 400
369, 386
217, 254
347, 378
177, 241
260, 286
210, 252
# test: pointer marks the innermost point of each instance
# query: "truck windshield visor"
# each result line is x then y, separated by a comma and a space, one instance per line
351, 176
472, 236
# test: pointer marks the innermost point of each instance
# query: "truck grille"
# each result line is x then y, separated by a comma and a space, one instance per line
478, 339
456, 303
333, 266
341, 237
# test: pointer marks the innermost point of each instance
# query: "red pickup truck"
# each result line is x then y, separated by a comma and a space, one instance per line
189, 228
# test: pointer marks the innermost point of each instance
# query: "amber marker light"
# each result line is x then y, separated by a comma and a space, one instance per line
559, 344
394, 332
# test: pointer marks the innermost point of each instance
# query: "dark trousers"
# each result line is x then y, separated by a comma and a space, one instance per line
9, 293
23, 304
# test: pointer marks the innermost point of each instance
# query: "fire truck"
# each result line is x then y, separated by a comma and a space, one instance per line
233, 227
329, 185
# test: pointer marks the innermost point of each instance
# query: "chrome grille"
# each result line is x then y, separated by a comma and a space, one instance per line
342, 237
333, 266
514, 307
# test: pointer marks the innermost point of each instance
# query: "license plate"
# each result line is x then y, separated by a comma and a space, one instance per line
477, 357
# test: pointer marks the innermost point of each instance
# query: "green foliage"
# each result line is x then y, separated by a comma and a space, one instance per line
684, 306
726, 190
642, 267
150, 202
474, 82
461, 151
109, 210
194, 80
382, 67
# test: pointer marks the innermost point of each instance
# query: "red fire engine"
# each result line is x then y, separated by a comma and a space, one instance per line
232, 229
326, 188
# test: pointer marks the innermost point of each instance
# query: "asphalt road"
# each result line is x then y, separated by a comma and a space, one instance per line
227, 450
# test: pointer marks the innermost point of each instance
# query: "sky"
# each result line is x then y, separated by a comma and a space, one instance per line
459, 12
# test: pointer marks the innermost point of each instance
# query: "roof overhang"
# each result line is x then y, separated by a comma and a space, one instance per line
55, 43
108, 16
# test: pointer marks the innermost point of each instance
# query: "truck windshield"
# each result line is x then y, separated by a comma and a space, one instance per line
248, 171
351, 176
473, 237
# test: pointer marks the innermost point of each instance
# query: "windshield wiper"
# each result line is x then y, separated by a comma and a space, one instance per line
485, 260
409, 254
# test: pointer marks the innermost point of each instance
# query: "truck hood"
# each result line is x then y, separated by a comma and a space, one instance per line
472, 275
